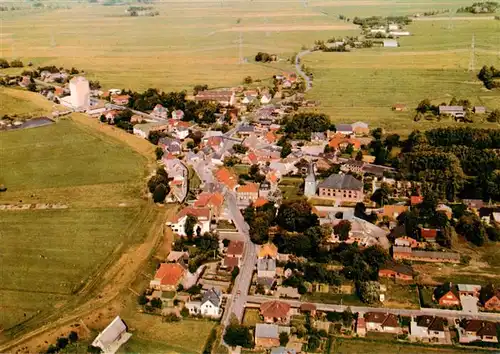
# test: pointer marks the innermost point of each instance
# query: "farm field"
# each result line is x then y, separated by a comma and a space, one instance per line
23, 103
432, 63
48, 256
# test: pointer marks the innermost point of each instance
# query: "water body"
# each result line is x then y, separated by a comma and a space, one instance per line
32, 123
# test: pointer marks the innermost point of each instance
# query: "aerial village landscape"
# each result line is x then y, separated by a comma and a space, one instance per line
269, 228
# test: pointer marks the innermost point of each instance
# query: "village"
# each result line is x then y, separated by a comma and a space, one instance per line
256, 165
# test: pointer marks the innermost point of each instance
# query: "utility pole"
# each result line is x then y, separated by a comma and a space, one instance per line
240, 48
472, 54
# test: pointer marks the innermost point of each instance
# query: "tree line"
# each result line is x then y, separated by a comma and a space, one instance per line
490, 77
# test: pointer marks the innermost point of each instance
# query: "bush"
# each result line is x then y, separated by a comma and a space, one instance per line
142, 300
156, 302
160, 193
93, 350
4, 64
73, 336
62, 342
16, 63
171, 317
185, 312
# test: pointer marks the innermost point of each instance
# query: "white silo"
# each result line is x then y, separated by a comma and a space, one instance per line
80, 92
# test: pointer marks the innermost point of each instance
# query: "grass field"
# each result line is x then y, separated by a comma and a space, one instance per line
400, 295
251, 317
23, 103
47, 256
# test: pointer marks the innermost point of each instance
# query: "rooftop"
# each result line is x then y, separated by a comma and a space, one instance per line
274, 309
344, 182
169, 273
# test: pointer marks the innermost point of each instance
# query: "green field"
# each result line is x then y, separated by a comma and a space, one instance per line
23, 103
48, 255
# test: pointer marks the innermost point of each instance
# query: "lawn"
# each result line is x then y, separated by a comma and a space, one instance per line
251, 317
49, 255
141, 345
328, 298
400, 295
23, 103
291, 188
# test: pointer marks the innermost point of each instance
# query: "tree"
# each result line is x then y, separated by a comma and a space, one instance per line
191, 221
494, 116
160, 193
142, 300
349, 149
313, 343
4, 64
247, 80
238, 335
159, 153
73, 336
284, 339
156, 302
240, 149
230, 161
199, 88
342, 229
31, 87
296, 215
225, 242
369, 291
286, 149
102, 118
381, 195
62, 342
377, 133
359, 155
493, 232
184, 312
471, 227
16, 63
235, 272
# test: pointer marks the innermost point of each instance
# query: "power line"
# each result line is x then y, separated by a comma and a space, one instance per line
472, 54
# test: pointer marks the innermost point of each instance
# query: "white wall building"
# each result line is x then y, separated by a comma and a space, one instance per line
112, 337
80, 92
209, 306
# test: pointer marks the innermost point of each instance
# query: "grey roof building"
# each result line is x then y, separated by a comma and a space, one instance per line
343, 182
213, 296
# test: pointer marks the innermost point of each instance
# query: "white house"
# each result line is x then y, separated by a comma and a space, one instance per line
144, 129
209, 306
427, 327
160, 112
202, 215
266, 268
391, 43
382, 322
265, 99
247, 99
112, 337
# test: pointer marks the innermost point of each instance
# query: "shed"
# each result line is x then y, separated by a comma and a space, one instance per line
391, 43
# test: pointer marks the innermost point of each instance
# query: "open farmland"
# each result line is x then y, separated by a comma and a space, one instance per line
48, 257
23, 103
432, 63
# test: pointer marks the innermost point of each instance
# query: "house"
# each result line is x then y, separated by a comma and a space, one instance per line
246, 130
398, 107
427, 327
25, 81
275, 311
213, 201
381, 322
265, 99
455, 111
361, 327
233, 255
469, 290
177, 257
490, 297
247, 193
170, 145
203, 217
445, 209
479, 109
144, 129
268, 335
401, 252
209, 306
226, 177
477, 330
396, 271
447, 295
266, 268
352, 165
112, 337
344, 188
399, 33
260, 202
344, 129
264, 189
308, 308
160, 112
406, 241
223, 97
268, 250
473, 203
177, 114
248, 99
393, 211
428, 235
339, 141
360, 128
121, 100
167, 277
390, 43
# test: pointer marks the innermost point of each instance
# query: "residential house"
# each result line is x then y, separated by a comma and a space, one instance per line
178, 257
226, 177
445, 209
223, 97
390, 43
393, 211
209, 306
479, 109
473, 203
344, 188
234, 254
177, 114
160, 112
275, 311
248, 99
360, 128
406, 241
170, 145
416, 199
144, 129
352, 166
428, 235
266, 268
427, 328
264, 189
398, 107
246, 130
203, 218
112, 337
339, 141
247, 193
455, 111
265, 99
469, 290
447, 295
490, 297
361, 326
167, 277
268, 335
268, 250
260, 202
477, 330
381, 322
213, 201
344, 129
121, 100
396, 271
25, 81
400, 252
307, 308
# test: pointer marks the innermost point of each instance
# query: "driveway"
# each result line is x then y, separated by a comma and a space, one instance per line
469, 304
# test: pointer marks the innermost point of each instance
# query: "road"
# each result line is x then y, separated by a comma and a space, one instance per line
362, 309
298, 58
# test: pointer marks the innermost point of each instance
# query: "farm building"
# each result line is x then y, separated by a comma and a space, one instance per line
391, 43
455, 111
112, 337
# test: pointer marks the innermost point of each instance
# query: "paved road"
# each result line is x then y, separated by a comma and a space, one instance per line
298, 58
362, 309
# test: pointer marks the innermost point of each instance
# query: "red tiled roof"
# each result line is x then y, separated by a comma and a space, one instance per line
260, 202
248, 188
235, 248
198, 212
339, 139
252, 157
428, 233
231, 262
274, 309
226, 177
169, 273
209, 199
416, 199
271, 137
